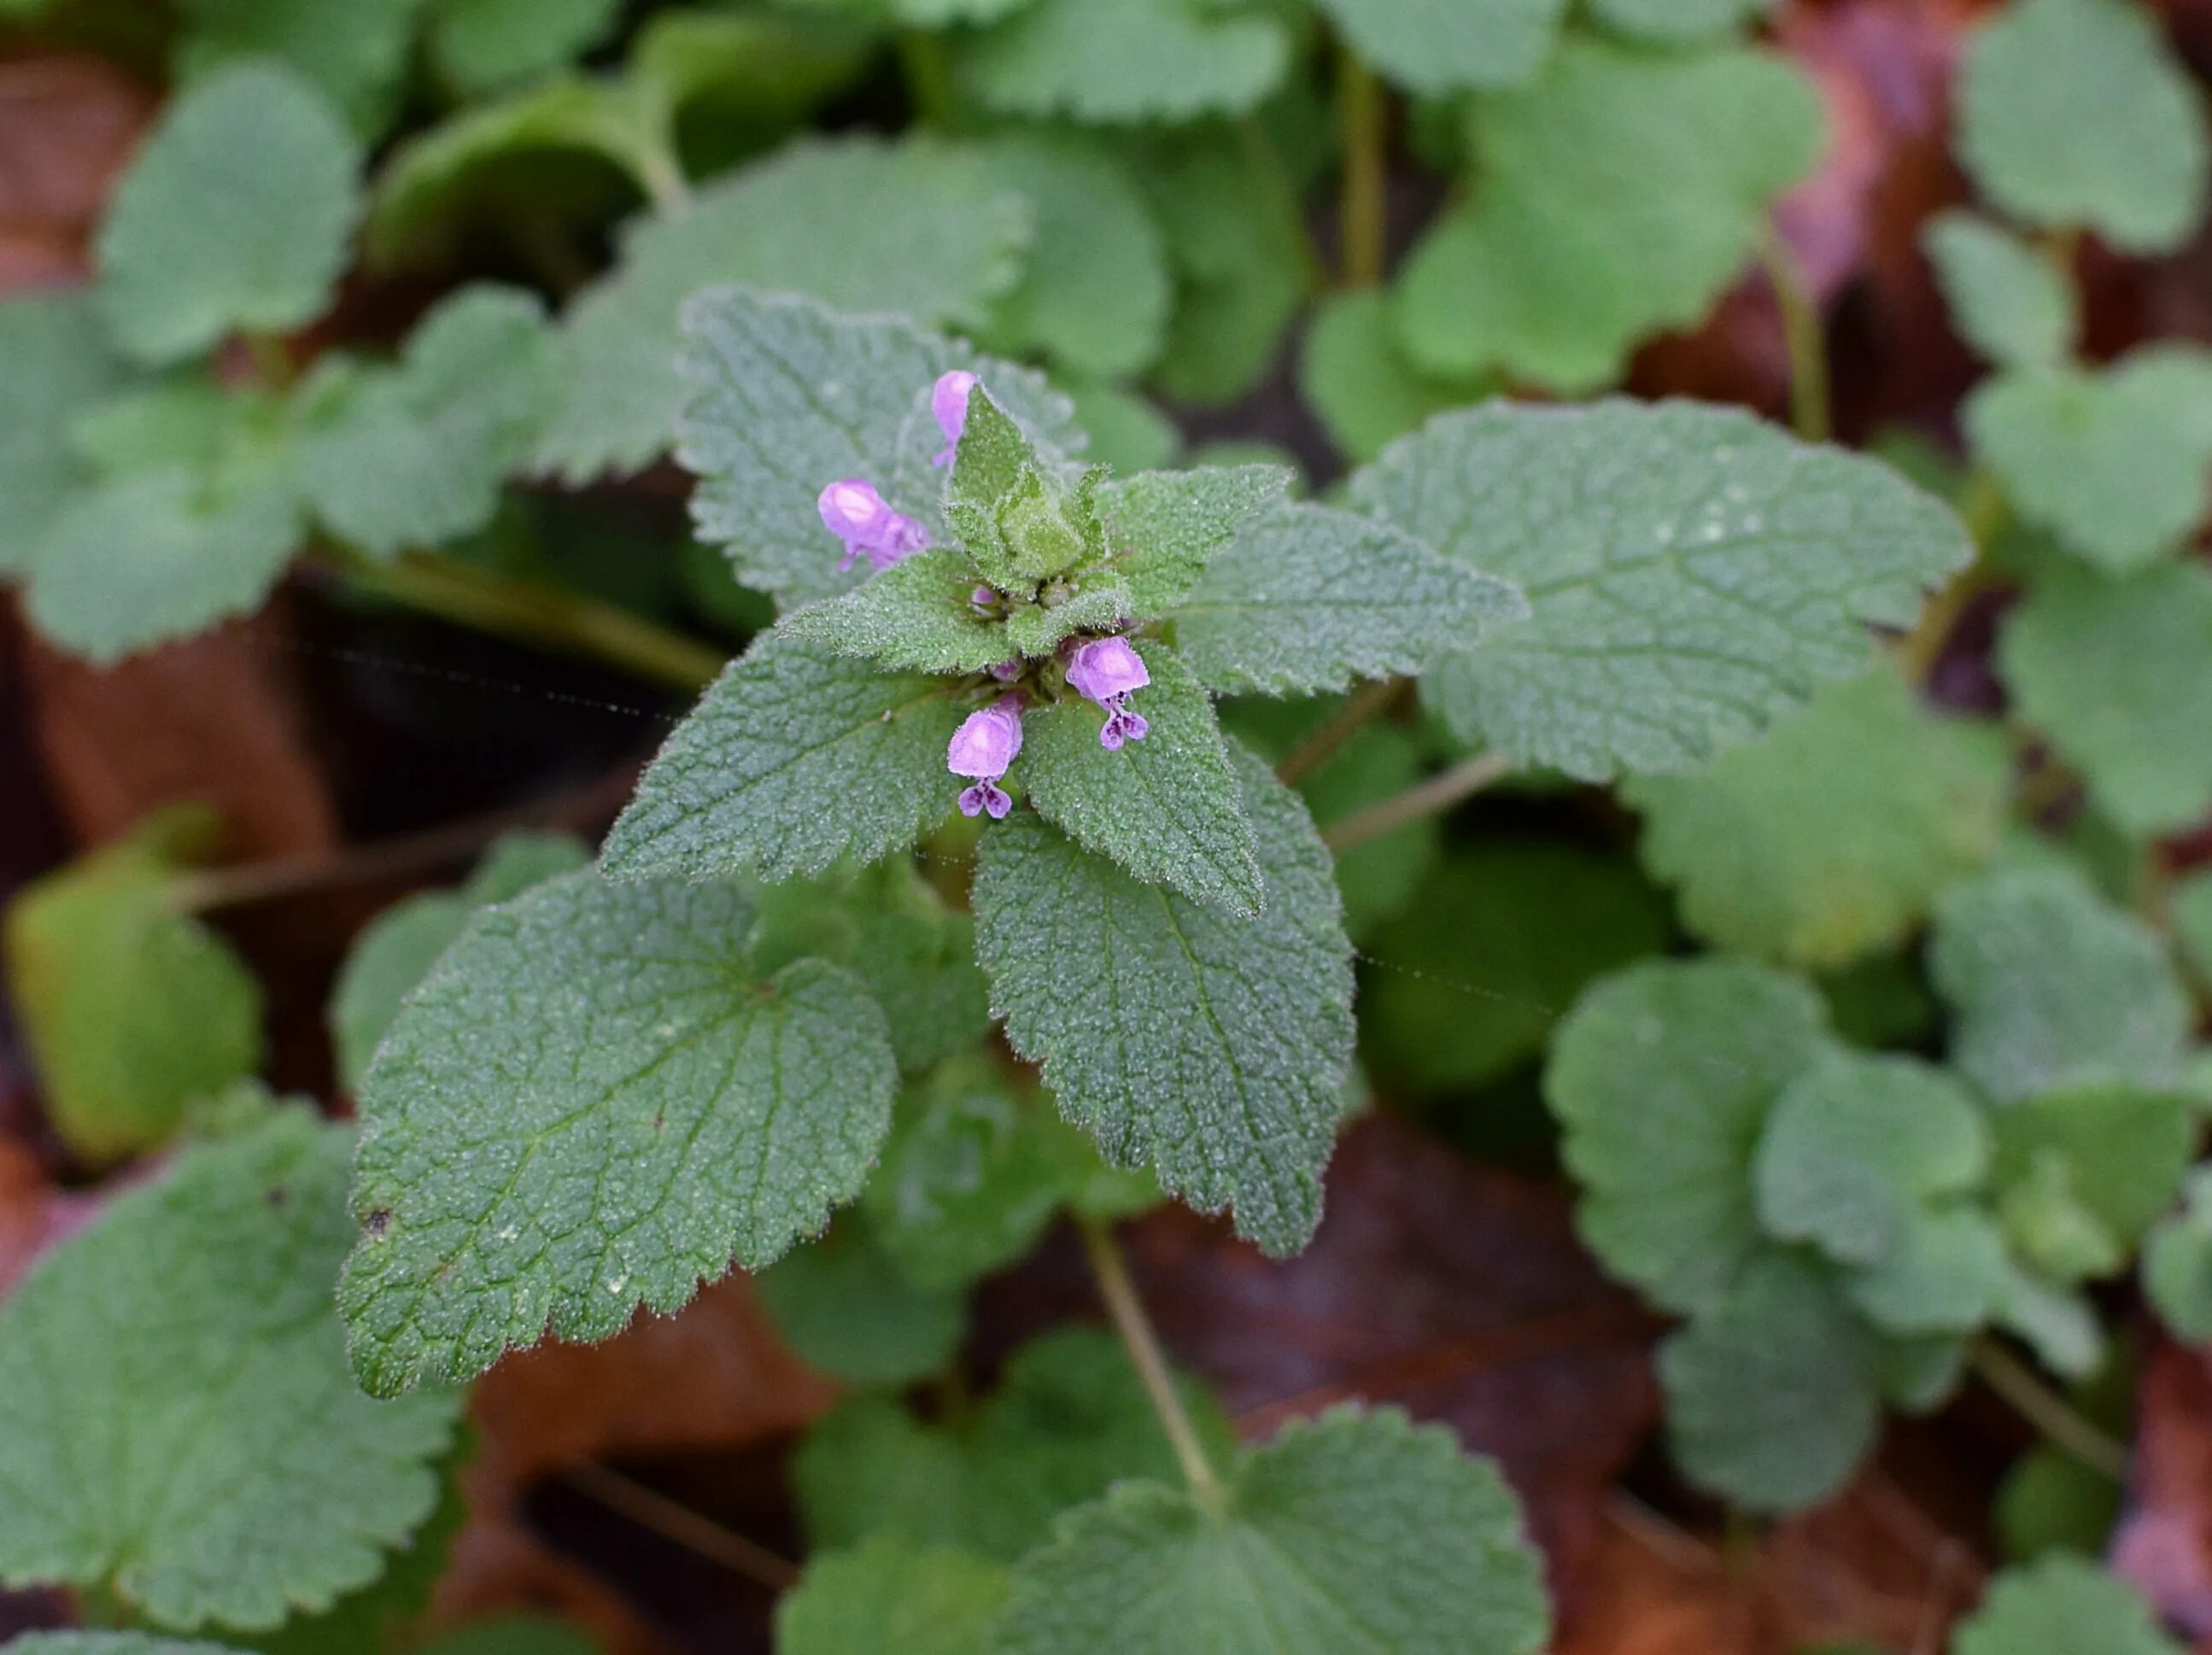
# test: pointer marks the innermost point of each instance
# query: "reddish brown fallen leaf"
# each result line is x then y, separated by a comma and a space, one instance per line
714, 1378
1657, 1591
33, 1214
68, 124
216, 718
2164, 1541
1458, 1292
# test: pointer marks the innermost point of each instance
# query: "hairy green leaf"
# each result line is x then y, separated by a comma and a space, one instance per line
257, 152
1167, 527
2053, 987
659, 1110
794, 758
1437, 47
1692, 573
2075, 114
1112, 62
921, 227
1828, 839
1351, 1531
1210, 1047
789, 397
186, 1345
1170, 808
2117, 675
1308, 598
1663, 1075
888, 1596
2007, 301
849, 1309
1355, 375
2061, 1605
477, 46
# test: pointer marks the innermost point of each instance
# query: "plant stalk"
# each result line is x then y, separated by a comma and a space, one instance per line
2046, 1410
532, 614
1339, 728
1130, 1321
1440, 792
1805, 334
1363, 227
651, 1509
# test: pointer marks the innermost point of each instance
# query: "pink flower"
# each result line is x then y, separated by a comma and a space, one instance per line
948, 401
853, 511
1108, 670
983, 746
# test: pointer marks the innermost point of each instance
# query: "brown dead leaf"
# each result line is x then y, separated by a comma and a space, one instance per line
714, 1379
1456, 1291
35, 1214
1655, 1590
68, 126
2164, 1541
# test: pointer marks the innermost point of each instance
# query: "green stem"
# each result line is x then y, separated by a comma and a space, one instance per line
1362, 216
1267, 161
1806, 338
1128, 1311
662, 179
1981, 509
2045, 1410
532, 614
1340, 727
651, 1510
1439, 792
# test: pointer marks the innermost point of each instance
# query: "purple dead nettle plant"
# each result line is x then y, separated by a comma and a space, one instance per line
1105, 670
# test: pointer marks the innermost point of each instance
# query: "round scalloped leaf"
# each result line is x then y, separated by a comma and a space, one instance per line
1114, 62
235, 216
888, 1596
2076, 114
185, 1344
2061, 1605
1352, 1532
595, 1102
1673, 21
56, 362
1437, 47
1692, 573
2007, 301
477, 46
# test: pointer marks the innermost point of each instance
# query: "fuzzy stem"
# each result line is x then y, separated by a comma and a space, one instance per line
1439, 792
2045, 1410
1128, 1311
1805, 335
1362, 221
532, 614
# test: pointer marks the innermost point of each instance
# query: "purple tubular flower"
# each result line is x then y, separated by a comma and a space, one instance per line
1108, 670
983, 746
853, 511
948, 400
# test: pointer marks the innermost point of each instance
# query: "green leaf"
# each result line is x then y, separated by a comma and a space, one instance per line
794, 758
2082, 1174
479, 46
2006, 300
354, 52
132, 1009
1211, 1048
887, 1596
971, 1174
1129, 433
55, 362
921, 228
1097, 292
1308, 598
1380, 877
1946, 1273
660, 1111
1070, 1418
2116, 674
2191, 907
1828, 839
150, 556
2112, 461
1352, 1532
2061, 1606
2076, 114
2177, 1264
1167, 527
1675, 21
398, 949
1488, 951
2051, 987
1355, 375
1772, 1398
1437, 47
185, 1345
1857, 1144
1113, 61
1618, 196
416, 456
887, 927
789, 397
918, 614
1662, 1077
1167, 808
110, 1643
257, 151
1236, 234
850, 1309
1692, 572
